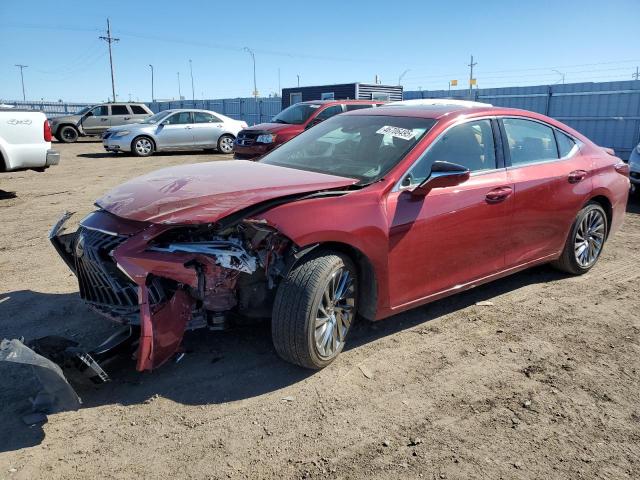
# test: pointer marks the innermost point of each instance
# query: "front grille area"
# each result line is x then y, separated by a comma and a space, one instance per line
247, 138
101, 283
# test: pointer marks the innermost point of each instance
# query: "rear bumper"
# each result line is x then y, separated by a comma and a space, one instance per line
53, 158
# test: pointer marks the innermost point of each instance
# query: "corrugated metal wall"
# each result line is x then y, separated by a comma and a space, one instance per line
607, 112
250, 110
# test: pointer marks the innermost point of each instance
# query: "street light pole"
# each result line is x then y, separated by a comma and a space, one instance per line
402, 76
153, 97
253, 57
179, 92
193, 91
22, 67
298, 80
559, 73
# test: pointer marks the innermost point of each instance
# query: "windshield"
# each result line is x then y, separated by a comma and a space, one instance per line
82, 111
156, 117
296, 114
358, 146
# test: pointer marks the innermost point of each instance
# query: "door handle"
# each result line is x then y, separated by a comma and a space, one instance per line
104, 119
127, 118
498, 194
576, 176
189, 127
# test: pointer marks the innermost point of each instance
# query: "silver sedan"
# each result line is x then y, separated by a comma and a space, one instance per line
175, 130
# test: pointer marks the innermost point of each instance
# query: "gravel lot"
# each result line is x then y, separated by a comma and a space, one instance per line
542, 383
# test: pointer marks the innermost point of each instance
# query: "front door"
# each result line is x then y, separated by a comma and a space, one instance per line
176, 131
454, 235
96, 120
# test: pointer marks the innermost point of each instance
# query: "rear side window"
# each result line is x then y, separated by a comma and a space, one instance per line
566, 144
138, 110
119, 110
529, 142
469, 144
329, 112
201, 117
351, 108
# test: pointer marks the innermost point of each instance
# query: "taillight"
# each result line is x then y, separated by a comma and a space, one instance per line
47, 131
622, 168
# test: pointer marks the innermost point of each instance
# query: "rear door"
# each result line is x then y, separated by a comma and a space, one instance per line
96, 120
121, 115
207, 128
551, 180
176, 131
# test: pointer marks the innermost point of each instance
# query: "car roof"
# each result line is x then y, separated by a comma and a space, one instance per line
438, 111
337, 102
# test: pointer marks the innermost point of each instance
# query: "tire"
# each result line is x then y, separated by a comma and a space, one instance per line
225, 144
142, 146
68, 134
580, 254
297, 330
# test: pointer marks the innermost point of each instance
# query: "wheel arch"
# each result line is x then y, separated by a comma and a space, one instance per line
368, 284
145, 135
606, 205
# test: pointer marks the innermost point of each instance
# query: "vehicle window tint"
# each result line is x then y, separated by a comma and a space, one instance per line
565, 144
329, 112
119, 110
179, 118
138, 110
470, 145
529, 142
202, 117
360, 106
100, 111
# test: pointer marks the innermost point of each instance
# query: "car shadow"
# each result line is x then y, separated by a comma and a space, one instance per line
218, 367
4, 195
156, 154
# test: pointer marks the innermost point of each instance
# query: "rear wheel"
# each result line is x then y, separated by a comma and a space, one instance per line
225, 144
586, 239
314, 308
142, 147
67, 134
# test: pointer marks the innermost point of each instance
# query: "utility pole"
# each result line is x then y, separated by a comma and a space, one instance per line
179, 92
298, 79
402, 76
22, 67
279, 90
471, 65
193, 91
109, 39
637, 74
152, 95
253, 57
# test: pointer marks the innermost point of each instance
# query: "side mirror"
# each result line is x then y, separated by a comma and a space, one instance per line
443, 174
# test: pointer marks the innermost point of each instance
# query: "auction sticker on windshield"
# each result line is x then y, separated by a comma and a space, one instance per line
397, 132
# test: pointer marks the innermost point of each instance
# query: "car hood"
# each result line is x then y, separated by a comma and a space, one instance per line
131, 126
275, 127
66, 118
208, 192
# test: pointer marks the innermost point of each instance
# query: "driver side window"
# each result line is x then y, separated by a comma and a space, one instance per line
100, 111
469, 144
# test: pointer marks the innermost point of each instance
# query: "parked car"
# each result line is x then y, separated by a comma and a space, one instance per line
175, 130
94, 121
439, 102
25, 141
259, 139
634, 165
372, 212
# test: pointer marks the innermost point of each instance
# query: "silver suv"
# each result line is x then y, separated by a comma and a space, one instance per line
94, 121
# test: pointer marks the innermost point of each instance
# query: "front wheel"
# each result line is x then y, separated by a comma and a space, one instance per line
225, 144
314, 308
586, 239
142, 147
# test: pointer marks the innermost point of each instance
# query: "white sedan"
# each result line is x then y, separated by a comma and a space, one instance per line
184, 129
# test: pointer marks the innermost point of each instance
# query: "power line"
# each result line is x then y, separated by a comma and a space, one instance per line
22, 67
109, 39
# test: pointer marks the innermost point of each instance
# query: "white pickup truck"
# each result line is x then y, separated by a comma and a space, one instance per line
25, 141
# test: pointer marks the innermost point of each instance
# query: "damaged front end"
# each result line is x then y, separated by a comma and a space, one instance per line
162, 280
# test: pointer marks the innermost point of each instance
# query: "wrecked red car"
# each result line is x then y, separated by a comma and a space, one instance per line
369, 213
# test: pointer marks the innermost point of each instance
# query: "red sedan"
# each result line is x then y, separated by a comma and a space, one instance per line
368, 213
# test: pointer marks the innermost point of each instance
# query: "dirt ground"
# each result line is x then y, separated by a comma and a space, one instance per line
542, 383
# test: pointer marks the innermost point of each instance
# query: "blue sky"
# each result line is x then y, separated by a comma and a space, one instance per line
513, 42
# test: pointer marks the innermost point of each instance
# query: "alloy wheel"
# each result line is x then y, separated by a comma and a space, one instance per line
226, 144
143, 146
589, 238
335, 313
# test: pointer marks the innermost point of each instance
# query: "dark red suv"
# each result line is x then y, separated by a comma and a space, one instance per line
254, 142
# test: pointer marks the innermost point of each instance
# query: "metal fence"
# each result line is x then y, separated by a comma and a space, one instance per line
608, 113
251, 110
51, 109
